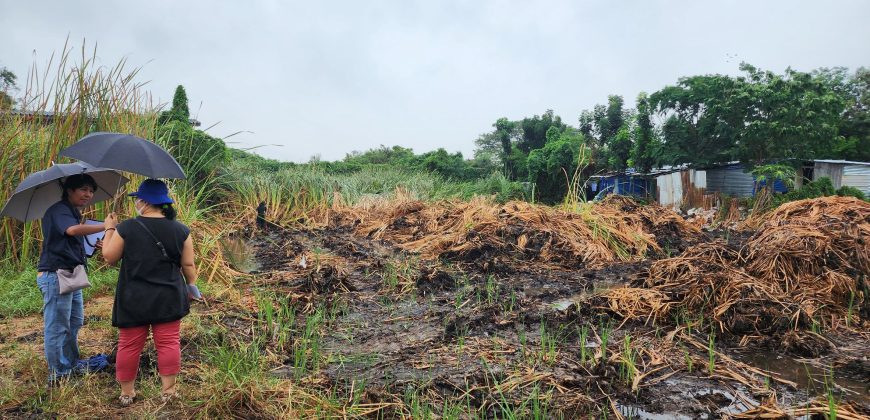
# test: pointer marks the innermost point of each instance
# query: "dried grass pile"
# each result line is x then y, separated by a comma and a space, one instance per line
706, 280
590, 236
818, 252
667, 227
806, 266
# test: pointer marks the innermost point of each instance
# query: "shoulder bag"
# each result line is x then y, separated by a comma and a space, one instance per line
72, 280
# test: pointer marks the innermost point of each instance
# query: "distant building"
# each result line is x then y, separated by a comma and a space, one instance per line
48, 117
841, 173
682, 186
687, 187
628, 183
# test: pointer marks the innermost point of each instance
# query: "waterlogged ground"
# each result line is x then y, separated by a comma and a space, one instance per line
495, 338
346, 326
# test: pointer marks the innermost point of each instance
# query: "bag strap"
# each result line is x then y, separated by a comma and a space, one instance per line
157, 241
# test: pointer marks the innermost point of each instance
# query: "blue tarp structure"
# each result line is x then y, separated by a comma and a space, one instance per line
623, 184
778, 186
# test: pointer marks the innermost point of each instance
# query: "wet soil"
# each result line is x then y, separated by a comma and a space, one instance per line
489, 331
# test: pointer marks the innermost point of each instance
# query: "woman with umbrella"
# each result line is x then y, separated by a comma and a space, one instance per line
155, 251
63, 248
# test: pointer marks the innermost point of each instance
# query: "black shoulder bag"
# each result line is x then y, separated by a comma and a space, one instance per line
156, 241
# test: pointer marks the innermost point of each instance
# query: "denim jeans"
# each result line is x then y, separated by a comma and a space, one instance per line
63, 317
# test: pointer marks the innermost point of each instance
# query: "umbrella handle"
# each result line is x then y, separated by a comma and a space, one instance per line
115, 200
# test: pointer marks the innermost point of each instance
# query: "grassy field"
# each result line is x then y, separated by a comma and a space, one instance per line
221, 371
394, 294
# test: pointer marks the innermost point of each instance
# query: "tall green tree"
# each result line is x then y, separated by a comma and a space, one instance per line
7, 83
600, 128
535, 130
587, 124
551, 166
643, 152
615, 118
383, 155
753, 118
180, 110
450, 166
794, 114
855, 127
593, 125
702, 118
504, 130
620, 150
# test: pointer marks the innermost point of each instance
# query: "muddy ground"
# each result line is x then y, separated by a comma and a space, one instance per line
492, 334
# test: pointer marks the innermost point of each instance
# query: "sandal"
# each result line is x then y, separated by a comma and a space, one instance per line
168, 396
126, 400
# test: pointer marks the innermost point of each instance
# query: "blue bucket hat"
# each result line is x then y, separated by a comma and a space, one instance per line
153, 191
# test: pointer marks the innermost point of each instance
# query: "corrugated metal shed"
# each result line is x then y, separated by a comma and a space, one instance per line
857, 176
828, 169
844, 162
731, 180
681, 187
670, 189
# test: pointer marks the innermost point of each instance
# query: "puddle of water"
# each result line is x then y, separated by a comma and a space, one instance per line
565, 303
239, 255
810, 377
636, 413
738, 403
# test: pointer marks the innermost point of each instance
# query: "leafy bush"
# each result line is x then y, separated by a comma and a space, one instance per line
198, 153
822, 187
847, 191
550, 166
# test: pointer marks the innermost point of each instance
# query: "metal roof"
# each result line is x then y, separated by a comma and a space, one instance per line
844, 162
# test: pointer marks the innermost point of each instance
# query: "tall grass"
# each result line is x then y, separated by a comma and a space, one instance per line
71, 96
293, 194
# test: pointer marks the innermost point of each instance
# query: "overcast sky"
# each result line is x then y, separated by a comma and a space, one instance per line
329, 77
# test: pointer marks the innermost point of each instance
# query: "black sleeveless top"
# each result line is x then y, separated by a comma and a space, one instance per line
151, 289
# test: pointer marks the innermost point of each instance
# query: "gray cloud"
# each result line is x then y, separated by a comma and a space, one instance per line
331, 77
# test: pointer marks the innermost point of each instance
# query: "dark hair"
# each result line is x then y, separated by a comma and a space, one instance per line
168, 211
74, 182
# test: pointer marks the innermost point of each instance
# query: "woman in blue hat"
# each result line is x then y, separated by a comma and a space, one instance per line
155, 251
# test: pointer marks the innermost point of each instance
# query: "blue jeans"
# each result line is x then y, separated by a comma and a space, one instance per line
63, 317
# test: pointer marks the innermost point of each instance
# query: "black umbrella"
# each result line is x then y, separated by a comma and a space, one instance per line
125, 152
42, 189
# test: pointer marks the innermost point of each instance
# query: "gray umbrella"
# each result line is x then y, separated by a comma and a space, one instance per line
42, 189
125, 152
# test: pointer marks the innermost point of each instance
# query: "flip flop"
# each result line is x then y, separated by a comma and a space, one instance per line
126, 400
169, 396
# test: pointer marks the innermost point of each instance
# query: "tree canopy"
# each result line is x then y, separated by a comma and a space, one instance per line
757, 117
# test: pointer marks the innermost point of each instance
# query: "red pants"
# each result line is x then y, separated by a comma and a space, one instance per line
131, 341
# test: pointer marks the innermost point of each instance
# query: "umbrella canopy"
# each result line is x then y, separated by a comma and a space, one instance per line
125, 152
42, 189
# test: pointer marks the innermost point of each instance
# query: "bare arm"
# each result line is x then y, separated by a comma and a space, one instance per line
188, 267
83, 229
113, 247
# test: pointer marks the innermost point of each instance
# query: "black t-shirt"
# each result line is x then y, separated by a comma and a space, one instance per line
60, 250
151, 289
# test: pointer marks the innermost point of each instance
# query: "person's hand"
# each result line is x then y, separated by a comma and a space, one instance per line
111, 221
99, 244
